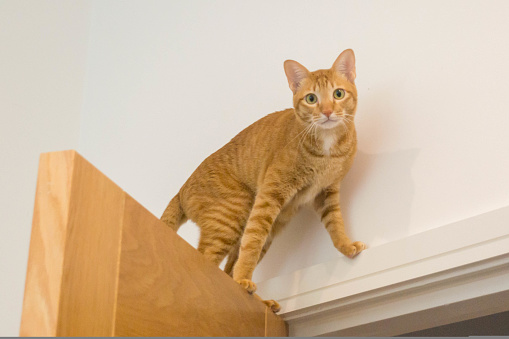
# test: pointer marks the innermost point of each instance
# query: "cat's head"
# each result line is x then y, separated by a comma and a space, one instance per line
327, 97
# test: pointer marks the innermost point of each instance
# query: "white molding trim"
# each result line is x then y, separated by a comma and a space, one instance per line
447, 274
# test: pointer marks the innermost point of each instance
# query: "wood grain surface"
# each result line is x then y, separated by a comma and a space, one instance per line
47, 245
102, 265
274, 325
167, 288
88, 293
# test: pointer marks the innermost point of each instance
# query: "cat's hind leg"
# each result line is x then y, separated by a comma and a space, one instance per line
232, 259
220, 206
272, 304
217, 241
222, 222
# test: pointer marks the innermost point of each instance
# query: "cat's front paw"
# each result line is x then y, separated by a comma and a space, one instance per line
248, 285
274, 305
351, 250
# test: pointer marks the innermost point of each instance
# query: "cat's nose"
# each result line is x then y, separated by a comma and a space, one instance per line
327, 112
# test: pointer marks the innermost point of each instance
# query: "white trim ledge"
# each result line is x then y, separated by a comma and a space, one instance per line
452, 273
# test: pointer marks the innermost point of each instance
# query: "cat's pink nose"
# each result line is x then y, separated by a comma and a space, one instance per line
327, 113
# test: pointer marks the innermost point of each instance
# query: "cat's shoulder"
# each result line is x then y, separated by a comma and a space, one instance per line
278, 116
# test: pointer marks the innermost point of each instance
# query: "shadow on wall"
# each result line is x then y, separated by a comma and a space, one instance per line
376, 201
377, 195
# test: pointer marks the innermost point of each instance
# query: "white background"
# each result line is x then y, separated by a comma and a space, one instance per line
43, 47
145, 90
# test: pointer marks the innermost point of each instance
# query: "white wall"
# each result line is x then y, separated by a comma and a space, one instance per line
42, 64
171, 82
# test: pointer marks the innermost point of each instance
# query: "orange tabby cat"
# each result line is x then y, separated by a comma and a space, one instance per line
243, 194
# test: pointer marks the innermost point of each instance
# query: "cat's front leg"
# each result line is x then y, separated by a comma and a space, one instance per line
267, 206
327, 206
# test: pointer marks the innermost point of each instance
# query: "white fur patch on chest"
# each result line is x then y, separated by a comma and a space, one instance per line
328, 141
308, 195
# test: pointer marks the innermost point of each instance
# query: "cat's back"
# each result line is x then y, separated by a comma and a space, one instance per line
248, 153
265, 132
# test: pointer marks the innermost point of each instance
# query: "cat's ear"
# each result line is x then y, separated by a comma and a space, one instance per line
295, 73
345, 64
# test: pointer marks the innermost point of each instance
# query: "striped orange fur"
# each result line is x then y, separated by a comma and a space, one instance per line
242, 195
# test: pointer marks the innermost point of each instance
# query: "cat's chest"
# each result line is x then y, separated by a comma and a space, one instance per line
307, 195
328, 142
319, 182
327, 171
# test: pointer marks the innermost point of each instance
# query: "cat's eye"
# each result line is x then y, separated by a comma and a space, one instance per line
339, 93
311, 99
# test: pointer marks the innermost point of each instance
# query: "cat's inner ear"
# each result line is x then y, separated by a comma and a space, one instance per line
345, 64
295, 73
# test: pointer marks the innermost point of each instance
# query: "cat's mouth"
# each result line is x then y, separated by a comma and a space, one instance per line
329, 123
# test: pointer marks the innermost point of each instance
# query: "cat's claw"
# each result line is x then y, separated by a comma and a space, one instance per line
274, 305
248, 285
353, 249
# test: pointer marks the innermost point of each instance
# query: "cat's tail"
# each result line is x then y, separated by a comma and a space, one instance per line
174, 215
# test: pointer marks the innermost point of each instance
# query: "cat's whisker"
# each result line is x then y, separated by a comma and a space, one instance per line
348, 118
313, 130
303, 131
312, 133
316, 137
307, 131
